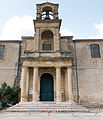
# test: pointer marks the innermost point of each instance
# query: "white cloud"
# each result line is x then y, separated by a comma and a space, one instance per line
99, 28
65, 32
22, 26
17, 27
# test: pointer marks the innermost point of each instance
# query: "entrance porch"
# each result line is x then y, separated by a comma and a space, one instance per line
46, 81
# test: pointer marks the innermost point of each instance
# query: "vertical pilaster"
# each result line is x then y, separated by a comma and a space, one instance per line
23, 84
56, 40
35, 85
37, 39
69, 76
27, 83
58, 84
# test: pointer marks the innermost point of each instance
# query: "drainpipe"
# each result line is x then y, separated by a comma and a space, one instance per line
18, 67
76, 65
39, 42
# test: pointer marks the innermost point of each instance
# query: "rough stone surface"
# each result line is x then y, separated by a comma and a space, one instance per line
8, 65
90, 72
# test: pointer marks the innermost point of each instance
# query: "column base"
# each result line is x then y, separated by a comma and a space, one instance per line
36, 98
23, 100
70, 101
58, 101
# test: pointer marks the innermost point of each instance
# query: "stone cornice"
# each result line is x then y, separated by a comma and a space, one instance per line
48, 21
47, 58
47, 3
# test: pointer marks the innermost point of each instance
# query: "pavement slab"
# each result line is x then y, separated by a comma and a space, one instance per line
45, 116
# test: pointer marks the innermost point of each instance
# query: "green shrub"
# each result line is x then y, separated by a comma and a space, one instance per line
9, 94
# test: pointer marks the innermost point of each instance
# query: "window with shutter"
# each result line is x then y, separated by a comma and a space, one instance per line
2, 51
46, 46
95, 51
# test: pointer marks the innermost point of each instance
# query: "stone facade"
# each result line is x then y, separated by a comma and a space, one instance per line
89, 70
9, 63
76, 76
47, 53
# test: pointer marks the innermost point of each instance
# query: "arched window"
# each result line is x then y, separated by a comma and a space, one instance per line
47, 13
47, 42
95, 51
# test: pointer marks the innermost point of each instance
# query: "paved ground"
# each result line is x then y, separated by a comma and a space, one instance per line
52, 116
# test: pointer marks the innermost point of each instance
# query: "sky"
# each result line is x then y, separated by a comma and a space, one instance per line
81, 18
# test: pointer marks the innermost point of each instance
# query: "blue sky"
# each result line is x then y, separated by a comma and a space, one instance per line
80, 18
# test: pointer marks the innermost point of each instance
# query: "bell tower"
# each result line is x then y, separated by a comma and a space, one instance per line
46, 59
47, 28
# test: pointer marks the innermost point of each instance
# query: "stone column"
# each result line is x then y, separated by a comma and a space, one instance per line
58, 84
35, 85
27, 84
69, 76
23, 84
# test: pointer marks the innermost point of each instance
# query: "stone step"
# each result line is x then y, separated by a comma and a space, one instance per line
39, 107
47, 106
53, 110
48, 110
54, 107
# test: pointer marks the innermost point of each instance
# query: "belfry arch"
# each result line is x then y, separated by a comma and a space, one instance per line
49, 9
47, 13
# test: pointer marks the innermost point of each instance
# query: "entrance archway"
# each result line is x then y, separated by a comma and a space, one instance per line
46, 87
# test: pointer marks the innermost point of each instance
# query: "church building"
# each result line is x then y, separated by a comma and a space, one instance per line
51, 67
47, 59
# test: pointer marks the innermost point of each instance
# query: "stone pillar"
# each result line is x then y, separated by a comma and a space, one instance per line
23, 84
69, 76
27, 84
58, 84
35, 85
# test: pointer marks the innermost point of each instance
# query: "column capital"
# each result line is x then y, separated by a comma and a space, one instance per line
25, 67
68, 67
57, 67
35, 67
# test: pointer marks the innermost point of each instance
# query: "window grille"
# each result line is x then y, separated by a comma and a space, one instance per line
46, 46
95, 51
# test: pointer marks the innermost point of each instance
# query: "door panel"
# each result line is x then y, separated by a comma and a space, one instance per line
46, 87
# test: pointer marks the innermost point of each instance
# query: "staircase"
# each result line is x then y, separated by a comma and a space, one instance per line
47, 107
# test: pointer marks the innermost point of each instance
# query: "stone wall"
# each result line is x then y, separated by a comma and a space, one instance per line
8, 65
90, 72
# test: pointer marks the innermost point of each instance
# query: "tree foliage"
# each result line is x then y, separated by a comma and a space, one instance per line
9, 94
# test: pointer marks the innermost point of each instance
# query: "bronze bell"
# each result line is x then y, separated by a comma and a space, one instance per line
47, 16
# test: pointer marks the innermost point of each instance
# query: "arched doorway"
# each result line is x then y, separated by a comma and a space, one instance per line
46, 87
